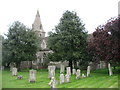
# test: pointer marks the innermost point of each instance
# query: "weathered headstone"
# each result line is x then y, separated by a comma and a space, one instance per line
68, 71
110, 70
51, 71
32, 76
53, 82
98, 66
62, 78
88, 71
83, 76
73, 71
14, 71
67, 78
12, 65
62, 68
2, 68
78, 74
102, 64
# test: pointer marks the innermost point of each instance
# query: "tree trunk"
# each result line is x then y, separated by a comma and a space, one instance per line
114, 67
30, 64
106, 63
75, 64
18, 66
70, 65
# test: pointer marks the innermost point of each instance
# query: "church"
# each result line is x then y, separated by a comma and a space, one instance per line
41, 61
37, 27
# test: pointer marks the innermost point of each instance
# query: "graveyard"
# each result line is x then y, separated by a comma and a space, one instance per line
97, 79
69, 57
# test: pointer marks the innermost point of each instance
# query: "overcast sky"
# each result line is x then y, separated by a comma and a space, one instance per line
92, 12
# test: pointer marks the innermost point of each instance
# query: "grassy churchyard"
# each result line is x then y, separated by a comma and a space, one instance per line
98, 79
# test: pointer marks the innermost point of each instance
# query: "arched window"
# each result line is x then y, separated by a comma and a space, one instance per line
43, 44
40, 26
40, 35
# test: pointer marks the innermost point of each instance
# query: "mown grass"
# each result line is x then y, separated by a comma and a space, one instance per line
98, 79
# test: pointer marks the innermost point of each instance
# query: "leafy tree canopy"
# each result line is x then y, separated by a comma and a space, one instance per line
21, 43
68, 39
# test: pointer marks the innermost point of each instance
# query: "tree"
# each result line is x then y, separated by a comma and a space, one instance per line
5, 58
106, 42
68, 40
21, 44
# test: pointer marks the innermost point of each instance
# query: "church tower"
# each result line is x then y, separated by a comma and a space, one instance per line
37, 26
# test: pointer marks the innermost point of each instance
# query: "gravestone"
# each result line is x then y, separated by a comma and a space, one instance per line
67, 78
32, 76
73, 71
110, 70
98, 66
62, 68
83, 76
102, 64
12, 65
88, 71
68, 71
78, 74
53, 82
14, 71
62, 78
51, 71
2, 68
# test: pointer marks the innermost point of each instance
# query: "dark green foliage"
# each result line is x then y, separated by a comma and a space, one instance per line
68, 40
21, 44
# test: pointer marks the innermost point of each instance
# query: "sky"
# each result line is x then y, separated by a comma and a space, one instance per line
92, 12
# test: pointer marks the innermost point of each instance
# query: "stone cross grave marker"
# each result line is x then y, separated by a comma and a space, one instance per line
62, 78
88, 71
14, 71
32, 76
78, 74
110, 70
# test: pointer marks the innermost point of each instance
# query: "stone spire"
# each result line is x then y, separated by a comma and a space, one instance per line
37, 26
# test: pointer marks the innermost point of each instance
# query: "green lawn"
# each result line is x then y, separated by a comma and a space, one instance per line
98, 79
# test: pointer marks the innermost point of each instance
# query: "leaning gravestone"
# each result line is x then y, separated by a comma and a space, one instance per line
51, 71
68, 71
62, 78
53, 82
78, 74
73, 71
110, 70
88, 71
14, 71
32, 76
62, 68
67, 78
